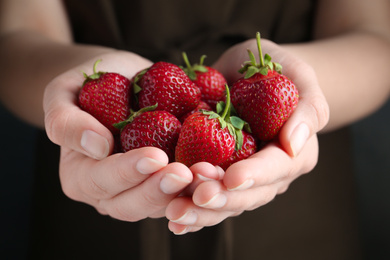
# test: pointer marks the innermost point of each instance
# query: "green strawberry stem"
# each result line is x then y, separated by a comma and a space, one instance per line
190, 70
133, 115
186, 61
137, 78
226, 112
252, 67
258, 40
95, 74
95, 65
233, 123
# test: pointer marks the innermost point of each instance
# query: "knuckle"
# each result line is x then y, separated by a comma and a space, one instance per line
266, 197
118, 210
122, 213
283, 189
321, 112
55, 125
236, 214
70, 191
101, 211
310, 164
154, 203
291, 173
311, 159
96, 190
125, 176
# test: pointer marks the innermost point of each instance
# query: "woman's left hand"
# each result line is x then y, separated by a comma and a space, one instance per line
254, 182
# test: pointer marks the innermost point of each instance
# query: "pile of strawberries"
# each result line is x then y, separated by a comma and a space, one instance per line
190, 112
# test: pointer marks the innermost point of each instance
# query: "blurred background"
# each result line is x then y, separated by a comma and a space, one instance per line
17, 143
371, 142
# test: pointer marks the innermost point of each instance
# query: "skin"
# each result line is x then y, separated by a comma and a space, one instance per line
140, 184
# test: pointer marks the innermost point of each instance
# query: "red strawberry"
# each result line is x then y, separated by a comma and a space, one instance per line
209, 136
209, 80
249, 147
106, 96
150, 128
202, 106
264, 97
167, 85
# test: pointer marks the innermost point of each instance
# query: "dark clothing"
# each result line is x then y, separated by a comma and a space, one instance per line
161, 30
314, 219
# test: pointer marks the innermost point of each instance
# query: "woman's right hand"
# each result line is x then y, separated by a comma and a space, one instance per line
127, 186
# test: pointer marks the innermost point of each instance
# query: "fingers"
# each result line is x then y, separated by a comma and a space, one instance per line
253, 182
311, 114
211, 204
150, 197
186, 217
179, 229
203, 171
66, 124
88, 180
270, 165
213, 195
214, 204
246, 185
129, 186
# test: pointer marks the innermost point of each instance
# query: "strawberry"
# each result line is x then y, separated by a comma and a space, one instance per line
249, 147
106, 96
202, 106
167, 85
149, 127
209, 136
264, 97
209, 80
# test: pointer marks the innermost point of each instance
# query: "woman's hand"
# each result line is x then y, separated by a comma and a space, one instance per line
254, 182
127, 186
246, 185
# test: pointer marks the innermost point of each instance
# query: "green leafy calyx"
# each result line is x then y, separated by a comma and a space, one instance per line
136, 87
234, 124
134, 114
252, 67
95, 74
191, 70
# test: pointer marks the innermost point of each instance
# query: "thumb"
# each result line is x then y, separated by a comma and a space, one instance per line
67, 125
310, 116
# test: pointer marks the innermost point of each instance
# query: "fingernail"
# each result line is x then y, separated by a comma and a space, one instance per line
148, 165
184, 231
298, 138
189, 218
218, 201
203, 178
94, 144
172, 183
243, 186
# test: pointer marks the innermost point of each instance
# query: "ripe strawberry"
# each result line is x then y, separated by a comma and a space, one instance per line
149, 127
264, 97
249, 147
209, 136
106, 96
167, 85
202, 106
209, 80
